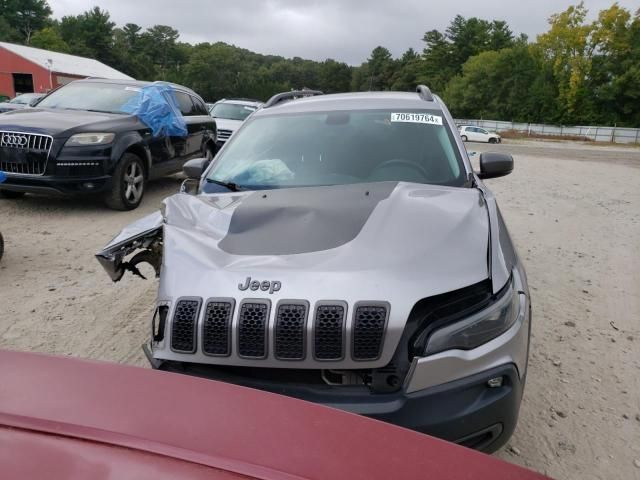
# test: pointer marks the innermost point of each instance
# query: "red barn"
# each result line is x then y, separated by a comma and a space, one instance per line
27, 69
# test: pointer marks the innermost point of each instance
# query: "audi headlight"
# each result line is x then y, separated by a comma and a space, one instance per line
478, 328
85, 139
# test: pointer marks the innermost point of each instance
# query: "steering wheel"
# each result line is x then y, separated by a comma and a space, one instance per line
404, 162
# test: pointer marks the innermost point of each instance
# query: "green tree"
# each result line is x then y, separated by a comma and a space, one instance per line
377, 72
445, 53
90, 34
8, 33
50, 39
25, 16
161, 47
569, 48
405, 77
333, 77
498, 85
615, 71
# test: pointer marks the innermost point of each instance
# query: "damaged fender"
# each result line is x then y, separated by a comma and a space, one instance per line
143, 236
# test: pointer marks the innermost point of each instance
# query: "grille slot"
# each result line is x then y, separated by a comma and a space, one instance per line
224, 135
24, 153
329, 332
290, 331
368, 331
252, 329
183, 327
216, 329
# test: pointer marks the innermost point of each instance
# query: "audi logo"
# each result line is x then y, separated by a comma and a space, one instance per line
14, 140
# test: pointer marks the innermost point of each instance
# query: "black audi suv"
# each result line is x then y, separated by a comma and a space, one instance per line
79, 140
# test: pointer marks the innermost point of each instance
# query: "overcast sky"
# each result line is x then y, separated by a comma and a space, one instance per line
346, 30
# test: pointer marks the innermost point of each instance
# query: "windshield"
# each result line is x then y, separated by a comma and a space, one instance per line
94, 96
339, 148
232, 111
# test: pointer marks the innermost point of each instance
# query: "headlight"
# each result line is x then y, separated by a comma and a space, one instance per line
480, 327
83, 139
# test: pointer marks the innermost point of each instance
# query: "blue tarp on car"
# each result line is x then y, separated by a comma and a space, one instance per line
157, 107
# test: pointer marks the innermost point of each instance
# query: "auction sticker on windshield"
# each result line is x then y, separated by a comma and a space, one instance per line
416, 118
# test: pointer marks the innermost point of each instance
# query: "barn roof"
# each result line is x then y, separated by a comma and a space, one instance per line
64, 63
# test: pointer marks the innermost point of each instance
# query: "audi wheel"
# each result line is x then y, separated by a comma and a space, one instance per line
128, 184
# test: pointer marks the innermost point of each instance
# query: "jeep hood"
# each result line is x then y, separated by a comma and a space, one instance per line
397, 242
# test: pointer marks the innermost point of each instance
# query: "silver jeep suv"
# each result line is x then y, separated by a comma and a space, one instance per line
341, 249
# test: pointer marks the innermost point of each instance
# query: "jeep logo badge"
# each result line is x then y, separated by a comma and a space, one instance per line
265, 285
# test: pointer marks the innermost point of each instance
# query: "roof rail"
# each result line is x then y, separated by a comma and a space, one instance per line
292, 95
425, 93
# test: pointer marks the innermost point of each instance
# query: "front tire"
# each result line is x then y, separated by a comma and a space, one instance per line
128, 184
464, 138
493, 140
10, 194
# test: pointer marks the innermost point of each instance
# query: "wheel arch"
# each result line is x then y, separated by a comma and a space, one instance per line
133, 143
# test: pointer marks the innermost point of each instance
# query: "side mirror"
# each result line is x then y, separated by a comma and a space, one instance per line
494, 165
195, 168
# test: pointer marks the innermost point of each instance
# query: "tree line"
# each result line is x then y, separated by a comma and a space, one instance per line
577, 72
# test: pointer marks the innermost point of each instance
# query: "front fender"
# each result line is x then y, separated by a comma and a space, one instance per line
143, 235
128, 140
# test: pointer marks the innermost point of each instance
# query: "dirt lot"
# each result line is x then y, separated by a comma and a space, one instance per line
574, 212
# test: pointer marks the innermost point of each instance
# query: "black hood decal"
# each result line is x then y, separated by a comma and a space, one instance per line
302, 220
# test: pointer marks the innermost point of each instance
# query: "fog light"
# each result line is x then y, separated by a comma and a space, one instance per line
495, 382
88, 185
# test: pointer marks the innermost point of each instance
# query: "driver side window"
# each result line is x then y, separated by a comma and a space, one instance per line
186, 105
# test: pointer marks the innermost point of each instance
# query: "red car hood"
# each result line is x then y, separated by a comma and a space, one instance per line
72, 419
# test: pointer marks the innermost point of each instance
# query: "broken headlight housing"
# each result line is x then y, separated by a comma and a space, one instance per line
480, 327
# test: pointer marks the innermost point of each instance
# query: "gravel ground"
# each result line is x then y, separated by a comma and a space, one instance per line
574, 213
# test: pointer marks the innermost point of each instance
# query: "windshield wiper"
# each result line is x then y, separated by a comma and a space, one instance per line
234, 187
87, 110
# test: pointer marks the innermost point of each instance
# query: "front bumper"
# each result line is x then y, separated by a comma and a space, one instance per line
445, 395
53, 185
466, 411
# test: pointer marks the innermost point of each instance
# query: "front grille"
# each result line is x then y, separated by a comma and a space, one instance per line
24, 153
223, 135
252, 329
216, 330
183, 329
368, 331
290, 331
328, 332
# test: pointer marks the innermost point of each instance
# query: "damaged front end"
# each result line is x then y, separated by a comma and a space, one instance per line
144, 237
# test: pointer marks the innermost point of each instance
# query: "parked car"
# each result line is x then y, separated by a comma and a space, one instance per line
21, 101
341, 249
470, 133
80, 140
229, 115
64, 418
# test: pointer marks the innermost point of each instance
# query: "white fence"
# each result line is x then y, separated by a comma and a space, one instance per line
598, 134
